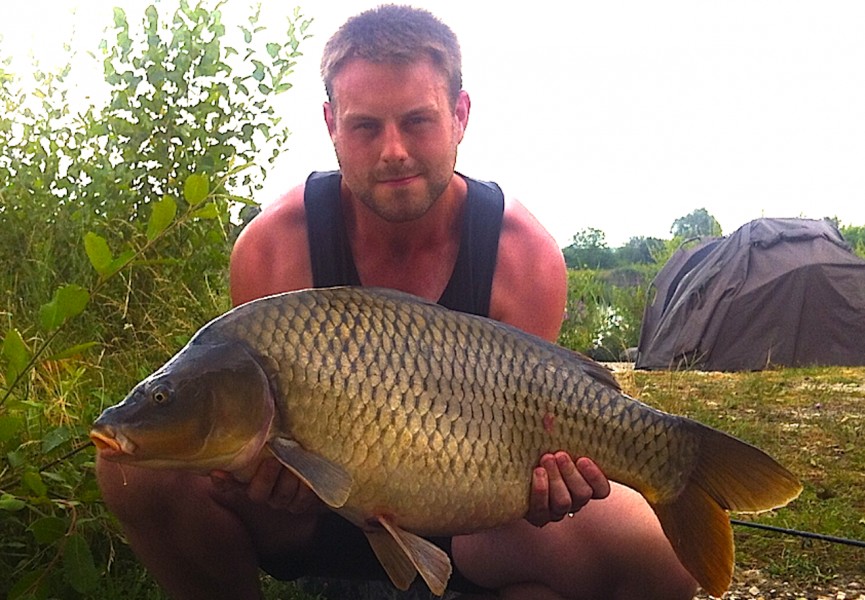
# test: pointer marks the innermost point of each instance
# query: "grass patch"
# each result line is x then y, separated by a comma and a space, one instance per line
811, 420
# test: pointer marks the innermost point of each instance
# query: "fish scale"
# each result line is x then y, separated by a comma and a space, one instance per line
409, 419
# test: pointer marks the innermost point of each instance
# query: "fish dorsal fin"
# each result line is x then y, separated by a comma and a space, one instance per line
397, 545
328, 480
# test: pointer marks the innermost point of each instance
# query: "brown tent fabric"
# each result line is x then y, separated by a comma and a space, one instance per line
777, 292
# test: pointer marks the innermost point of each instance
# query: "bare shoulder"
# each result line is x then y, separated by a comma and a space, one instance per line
530, 284
271, 255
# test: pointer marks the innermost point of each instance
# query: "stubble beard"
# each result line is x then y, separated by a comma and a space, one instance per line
402, 205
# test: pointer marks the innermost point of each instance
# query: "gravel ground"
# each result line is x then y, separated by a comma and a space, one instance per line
747, 585
753, 585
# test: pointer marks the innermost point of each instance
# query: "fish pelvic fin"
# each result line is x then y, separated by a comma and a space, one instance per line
328, 480
395, 562
729, 475
403, 554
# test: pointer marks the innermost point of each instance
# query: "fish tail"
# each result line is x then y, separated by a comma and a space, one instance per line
729, 475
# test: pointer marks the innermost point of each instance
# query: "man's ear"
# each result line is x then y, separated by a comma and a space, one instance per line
329, 118
461, 112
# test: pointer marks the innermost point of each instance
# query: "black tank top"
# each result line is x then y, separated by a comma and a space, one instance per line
470, 285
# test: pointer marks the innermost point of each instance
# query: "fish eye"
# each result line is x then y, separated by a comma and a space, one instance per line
160, 394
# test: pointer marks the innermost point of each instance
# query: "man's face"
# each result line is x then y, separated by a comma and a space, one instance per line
396, 134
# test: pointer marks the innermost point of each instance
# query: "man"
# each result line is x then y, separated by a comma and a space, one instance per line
397, 215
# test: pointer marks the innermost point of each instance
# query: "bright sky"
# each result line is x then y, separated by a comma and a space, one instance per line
620, 115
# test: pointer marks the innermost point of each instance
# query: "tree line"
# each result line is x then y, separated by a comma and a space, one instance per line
589, 249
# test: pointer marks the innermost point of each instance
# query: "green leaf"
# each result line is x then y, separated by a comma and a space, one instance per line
73, 351
121, 261
258, 74
208, 211
34, 483
16, 353
48, 530
54, 438
68, 301
120, 18
195, 188
162, 213
78, 565
10, 425
31, 586
10, 503
16, 458
273, 49
98, 252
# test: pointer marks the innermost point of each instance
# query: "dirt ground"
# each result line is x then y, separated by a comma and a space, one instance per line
747, 585
754, 585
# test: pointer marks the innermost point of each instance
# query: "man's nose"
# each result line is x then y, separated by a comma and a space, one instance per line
393, 144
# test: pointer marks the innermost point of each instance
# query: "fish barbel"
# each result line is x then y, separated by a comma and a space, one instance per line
411, 420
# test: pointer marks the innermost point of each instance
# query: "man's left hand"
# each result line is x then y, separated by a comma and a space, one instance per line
562, 486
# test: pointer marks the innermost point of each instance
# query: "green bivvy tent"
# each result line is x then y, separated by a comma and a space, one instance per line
775, 292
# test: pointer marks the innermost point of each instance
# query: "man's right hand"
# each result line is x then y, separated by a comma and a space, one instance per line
272, 484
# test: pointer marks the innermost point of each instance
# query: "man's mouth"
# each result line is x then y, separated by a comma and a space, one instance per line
398, 179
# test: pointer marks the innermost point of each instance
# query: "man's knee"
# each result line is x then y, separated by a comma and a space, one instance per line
134, 494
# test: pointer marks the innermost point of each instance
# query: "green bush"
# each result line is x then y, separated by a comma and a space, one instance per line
114, 240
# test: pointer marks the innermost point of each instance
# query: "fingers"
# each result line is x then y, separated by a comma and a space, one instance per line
271, 484
561, 486
593, 475
262, 486
539, 509
569, 491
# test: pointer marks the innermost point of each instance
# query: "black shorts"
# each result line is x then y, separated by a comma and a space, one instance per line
341, 550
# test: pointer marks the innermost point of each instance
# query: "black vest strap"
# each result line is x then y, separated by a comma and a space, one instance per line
332, 262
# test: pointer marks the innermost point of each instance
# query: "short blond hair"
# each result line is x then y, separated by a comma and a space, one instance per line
394, 34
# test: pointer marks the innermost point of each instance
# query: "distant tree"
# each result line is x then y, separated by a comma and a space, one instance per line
589, 250
855, 236
640, 250
696, 224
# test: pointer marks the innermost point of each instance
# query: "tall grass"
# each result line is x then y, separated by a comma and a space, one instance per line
604, 311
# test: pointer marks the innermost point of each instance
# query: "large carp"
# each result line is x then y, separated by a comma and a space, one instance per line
409, 419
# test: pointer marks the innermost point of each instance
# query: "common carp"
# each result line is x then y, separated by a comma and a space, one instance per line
412, 420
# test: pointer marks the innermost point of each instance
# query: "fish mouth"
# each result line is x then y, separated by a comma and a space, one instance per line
109, 444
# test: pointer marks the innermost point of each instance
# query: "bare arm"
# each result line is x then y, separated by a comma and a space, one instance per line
530, 286
272, 253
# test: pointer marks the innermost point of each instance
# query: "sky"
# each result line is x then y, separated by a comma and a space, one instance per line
621, 115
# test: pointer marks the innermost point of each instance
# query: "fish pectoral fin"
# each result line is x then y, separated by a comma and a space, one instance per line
394, 545
328, 480
391, 556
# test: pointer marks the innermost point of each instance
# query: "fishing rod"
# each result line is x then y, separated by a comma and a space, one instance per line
804, 534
